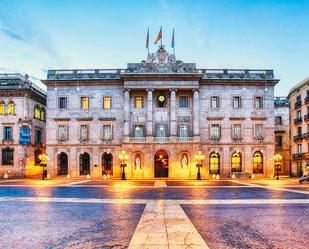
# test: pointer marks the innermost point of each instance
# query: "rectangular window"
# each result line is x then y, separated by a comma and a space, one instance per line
214, 102
298, 114
215, 131
8, 133
7, 156
107, 102
107, 132
83, 132
62, 103
237, 102
183, 130
237, 131
258, 133
278, 141
183, 102
278, 120
298, 98
258, 102
138, 103
299, 131
299, 149
161, 131
85, 103
139, 131
38, 136
62, 132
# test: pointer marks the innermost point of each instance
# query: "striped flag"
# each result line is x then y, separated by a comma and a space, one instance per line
173, 40
147, 39
159, 37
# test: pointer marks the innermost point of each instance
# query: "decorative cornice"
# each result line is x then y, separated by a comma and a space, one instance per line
215, 118
258, 118
84, 119
62, 119
237, 118
107, 119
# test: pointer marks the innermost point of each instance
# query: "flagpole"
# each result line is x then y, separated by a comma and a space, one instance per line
174, 41
161, 36
148, 39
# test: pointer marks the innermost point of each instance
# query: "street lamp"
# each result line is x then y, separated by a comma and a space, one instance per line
199, 157
277, 159
123, 157
43, 163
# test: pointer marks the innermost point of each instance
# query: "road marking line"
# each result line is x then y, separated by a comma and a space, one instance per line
277, 188
79, 182
165, 225
160, 183
145, 201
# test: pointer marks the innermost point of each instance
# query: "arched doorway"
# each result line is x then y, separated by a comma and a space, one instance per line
62, 164
236, 162
161, 164
84, 164
107, 163
214, 163
258, 162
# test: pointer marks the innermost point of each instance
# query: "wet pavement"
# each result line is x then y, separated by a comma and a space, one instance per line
107, 214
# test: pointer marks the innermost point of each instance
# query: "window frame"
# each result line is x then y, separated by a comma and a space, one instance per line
217, 102
81, 102
261, 102
180, 98
141, 102
65, 101
239, 102
110, 102
66, 132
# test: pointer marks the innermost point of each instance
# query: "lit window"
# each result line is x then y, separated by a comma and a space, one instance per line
8, 133
107, 132
62, 132
237, 102
37, 112
214, 102
139, 131
83, 132
215, 131
42, 114
214, 163
107, 102
183, 103
62, 103
183, 130
2, 108
138, 102
258, 102
11, 108
85, 103
258, 163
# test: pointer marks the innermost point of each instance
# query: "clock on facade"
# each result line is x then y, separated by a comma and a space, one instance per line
161, 98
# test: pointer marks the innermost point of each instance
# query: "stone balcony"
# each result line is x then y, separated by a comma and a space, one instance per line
300, 156
160, 139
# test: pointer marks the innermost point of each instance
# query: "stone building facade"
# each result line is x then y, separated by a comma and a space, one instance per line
299, 118
22, 118
161, 112
282, 133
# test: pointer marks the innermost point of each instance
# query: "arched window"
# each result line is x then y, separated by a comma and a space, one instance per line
84, 163
236, 162
42, 116
37, 112
2, 107
214, 163
258, 162
62, 164
7, 156
11, 108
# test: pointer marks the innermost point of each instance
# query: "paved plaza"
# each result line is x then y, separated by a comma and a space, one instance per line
153, 214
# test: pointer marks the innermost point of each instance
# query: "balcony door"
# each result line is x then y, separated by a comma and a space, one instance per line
161, 164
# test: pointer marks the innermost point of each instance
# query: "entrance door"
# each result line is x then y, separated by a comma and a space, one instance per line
62, 164
84, 163
107, 163
161, 164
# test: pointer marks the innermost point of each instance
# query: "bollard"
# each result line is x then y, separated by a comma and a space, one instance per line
68, 176
252, 176
88, 176
233, 176
271, 176
104, 177
218, 177
48, 176
108, 176
6, 176
214, 176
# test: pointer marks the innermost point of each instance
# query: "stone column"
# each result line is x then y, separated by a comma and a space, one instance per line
196, 113
149, 131
126, 108
173, 125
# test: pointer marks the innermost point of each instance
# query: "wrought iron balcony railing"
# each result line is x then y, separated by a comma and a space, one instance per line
297, 104
298, 137
306, 117
298, 120
305, 135
161, 139
184, 139
137, 139
307, 99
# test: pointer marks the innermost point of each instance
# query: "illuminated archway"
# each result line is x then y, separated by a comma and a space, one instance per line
258, 162
214, 163
236, 162
161, 164
107, 163
84, 163
62, 164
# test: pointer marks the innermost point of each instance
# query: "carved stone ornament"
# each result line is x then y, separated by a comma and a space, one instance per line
161, 61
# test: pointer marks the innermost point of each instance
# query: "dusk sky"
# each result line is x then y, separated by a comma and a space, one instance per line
38, 35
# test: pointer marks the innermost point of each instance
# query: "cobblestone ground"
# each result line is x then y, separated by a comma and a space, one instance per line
67, 225
251, 227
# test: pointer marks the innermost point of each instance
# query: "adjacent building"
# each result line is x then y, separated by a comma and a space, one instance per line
22, 119
161, 112
299, 128
282, 133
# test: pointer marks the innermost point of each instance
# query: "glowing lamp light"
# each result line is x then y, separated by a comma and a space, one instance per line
199, 157
123, 157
